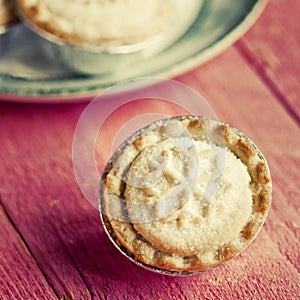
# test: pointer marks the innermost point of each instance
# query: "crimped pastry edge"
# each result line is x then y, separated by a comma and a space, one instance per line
144, 254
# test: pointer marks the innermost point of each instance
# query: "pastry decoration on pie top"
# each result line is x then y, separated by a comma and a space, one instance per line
185, 194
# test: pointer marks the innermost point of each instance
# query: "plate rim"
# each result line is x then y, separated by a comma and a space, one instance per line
199, 58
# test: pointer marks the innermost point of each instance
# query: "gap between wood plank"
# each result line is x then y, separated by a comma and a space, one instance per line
18, 233
240, 46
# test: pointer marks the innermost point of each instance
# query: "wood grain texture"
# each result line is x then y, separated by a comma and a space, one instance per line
272, 49
62, 230
21, 277
33, 156
252, 108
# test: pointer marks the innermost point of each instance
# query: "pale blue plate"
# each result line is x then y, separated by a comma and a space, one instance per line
30, 73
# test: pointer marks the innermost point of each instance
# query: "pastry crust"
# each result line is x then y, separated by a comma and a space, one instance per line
149, 248
99, 23
7, 13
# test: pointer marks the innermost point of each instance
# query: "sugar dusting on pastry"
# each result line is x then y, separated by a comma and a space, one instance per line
105, 22
204, 227
194, 227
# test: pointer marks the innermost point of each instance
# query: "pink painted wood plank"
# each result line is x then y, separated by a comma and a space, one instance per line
21, 277
27, 168
272, 48
252, 107
63, 231
51, 213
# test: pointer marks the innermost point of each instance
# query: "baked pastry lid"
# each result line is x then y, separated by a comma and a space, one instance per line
249, 232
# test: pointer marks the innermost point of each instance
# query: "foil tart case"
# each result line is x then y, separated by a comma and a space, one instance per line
124, 251
94, 60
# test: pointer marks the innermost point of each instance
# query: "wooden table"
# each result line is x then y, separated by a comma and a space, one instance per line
52, 244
